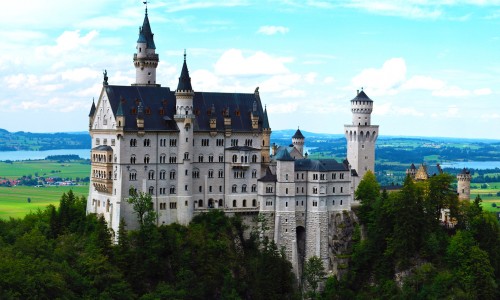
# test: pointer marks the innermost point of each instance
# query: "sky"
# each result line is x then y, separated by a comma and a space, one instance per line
432, 67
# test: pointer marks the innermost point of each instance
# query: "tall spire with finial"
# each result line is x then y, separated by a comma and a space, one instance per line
184, 80
145, 59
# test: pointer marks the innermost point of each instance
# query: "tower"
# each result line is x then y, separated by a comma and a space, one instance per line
463, 184
361, 136
184, 118
145, 59
266, 141
298, 141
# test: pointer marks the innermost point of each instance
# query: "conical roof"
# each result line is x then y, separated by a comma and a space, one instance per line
298, 135
184, 80
361, 96
283, 155
119, 112
145, 34
92, 109
265, 121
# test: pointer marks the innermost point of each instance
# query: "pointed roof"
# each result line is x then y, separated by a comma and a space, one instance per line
283, 155
362, 96
184, 80
268, 177
92, 109
412, 167
465, 172
265, 122
298, 135
119, 112
145, 33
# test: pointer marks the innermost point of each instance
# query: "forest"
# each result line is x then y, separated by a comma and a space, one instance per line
402, 250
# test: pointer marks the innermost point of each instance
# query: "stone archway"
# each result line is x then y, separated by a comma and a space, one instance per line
301, 247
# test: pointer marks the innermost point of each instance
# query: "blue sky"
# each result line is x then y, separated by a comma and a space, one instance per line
432, 67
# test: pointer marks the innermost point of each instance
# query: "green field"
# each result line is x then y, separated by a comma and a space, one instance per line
488, 195
14, 200
45, 168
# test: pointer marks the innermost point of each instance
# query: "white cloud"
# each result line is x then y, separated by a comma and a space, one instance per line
388, 108
423, 83
310, 77
80, 74
67, 41
279, 83
482, 92
451, 91
383, 81
187, 5
282, 108
328, 80
271, 30
233, 63
452, 112
292, 93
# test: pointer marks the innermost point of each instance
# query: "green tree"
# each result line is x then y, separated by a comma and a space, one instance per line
142, 203
367, 193
314, 273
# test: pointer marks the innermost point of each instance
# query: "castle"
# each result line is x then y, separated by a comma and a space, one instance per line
197, 151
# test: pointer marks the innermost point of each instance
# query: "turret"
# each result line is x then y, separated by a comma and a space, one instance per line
145, 59
184, 118
298, 141
361, 136
120, 118
266, 140
361, 108
91, 114
463, 184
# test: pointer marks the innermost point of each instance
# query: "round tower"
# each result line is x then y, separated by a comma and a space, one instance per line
361, 136
463, 184
145, 59
184, 118
298, 141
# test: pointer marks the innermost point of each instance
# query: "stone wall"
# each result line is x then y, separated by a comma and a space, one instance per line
341, 228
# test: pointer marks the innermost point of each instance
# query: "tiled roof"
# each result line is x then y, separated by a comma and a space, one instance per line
321, 165
283, 155
103, 148
361, 96
298, 135
184, 80
268, 177
159, 108
145, 34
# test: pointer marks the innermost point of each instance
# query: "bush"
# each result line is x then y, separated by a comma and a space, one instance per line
493, 204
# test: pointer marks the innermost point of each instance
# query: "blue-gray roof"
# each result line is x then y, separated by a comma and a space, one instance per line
146, 35
361, 96
103, 148
298, 135
320, 165
268, 177
283, 155
184, 80
159, 108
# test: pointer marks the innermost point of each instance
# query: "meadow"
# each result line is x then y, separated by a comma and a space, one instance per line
45, 168
488, 195
14, 200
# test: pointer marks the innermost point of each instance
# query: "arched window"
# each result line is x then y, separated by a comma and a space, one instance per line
234, 203
200, 203
244, 203
220, 202
151, 175
234, 188
146, 159
151, 190
254, 158
254, 188
235, 158
244, 188
132, 160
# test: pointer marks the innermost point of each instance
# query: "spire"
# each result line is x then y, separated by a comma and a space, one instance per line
298, 135
145, 33
265, 122
184, 80
140, 111
92, 109
119, 111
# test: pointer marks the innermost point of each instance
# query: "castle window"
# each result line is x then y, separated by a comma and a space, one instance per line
148, 110
220, 188
297, 190
200, 188
205, 142
315, 176
341, 189
186, 187
234, 203
254, 188
132, 176
340, 202
254, 203
221, 174
235, 158
244, 203
200, 203
334, 175
186, 156
221, 158
315, 203
286, 191
196, 173
254, 173
132, 160
322, 176
163, 158
172, 174
315, 190
302, 189
234, 188
333, 191
173, 205
151, 190
97, 141
286, 177
210, 189
172, 190
234, 142
210, 158
341, 175
269, 202
254, 158
163, 206
151, 175
210, 173
200, 158
146, 159
147, 142
269, 189
220, 142
286, 204
133, 143
244, 188
162, 111
173, 142
112, 142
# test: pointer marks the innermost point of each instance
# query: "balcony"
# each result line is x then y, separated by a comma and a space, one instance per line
240, 165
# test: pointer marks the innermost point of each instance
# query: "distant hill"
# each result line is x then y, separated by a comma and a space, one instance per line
17, 141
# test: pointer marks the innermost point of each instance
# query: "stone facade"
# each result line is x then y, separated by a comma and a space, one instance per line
196, 151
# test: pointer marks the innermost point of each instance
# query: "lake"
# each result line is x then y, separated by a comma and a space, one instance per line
478, 165
25, 155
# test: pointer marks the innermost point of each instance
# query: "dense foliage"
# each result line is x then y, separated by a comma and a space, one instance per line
408, 253
15, 141
64, 253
